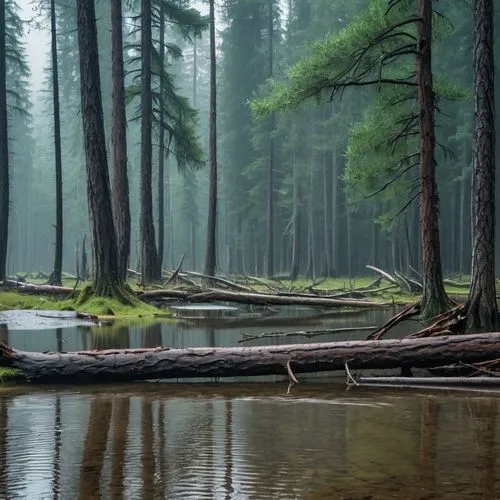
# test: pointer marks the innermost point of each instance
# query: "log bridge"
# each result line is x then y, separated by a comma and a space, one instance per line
166, 363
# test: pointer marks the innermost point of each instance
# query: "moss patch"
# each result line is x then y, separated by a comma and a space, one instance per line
7, 374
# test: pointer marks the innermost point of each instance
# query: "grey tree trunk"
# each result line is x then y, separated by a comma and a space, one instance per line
210, 255
55, 277
294, 268
106, 280
119, 188
151, 271
4, 150
270, 166
482, 304
434, 298
161, 149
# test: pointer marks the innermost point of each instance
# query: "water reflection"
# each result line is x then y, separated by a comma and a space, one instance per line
200, 334
156, 441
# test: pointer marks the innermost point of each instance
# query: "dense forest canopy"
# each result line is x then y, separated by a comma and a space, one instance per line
322, 190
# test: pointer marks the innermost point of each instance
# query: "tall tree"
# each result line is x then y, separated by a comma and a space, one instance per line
151, 271
119, 188
161, 148
106, 276
270, 167
210, 255
55, 278
482, 304
4, 150
434, 298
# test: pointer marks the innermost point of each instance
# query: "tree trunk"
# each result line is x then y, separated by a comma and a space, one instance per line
106, 277
4, 150
120, 188
294, 268
210, 256
143, 364
270, 166
434, 298
55, 278
482, 304
161, 148
151, 271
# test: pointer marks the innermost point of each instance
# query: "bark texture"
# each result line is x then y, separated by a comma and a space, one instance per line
55, 278
149, 257
106, 281
161, 149
4, 151
482, 305
210, 255
142, 364
119, 188
270, 166
434, 298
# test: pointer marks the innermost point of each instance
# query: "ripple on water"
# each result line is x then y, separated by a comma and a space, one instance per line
135, 444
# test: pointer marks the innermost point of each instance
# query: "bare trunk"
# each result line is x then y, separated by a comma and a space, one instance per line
294, 268
161, 149
434, 298
4, 150
120, 188
55, 278
482, 304
143, 364
210, 256
151, 271
107, 281
270, 167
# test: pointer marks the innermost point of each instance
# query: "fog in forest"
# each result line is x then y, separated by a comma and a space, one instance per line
336, 202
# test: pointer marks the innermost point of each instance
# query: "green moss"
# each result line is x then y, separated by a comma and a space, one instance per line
7, 374
89, 304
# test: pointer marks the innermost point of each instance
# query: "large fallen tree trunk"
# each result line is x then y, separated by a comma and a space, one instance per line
141, 364
41, 289
263, 299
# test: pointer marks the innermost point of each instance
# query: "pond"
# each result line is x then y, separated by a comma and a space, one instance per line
243, 439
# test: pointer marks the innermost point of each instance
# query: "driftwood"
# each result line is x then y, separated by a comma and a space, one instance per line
382, 273
159, 363
425, 381
450, 322
258, 298
176, 272
222, 281
247, 337
401, 316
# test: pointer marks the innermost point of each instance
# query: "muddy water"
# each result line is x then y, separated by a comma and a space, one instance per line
240, 440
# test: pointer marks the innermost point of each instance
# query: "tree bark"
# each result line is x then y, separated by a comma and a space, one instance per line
210, 256
4, 150
151, 271
106, 280
142, 364
294, 268
482, 304
434, 298
55, 278
120, 188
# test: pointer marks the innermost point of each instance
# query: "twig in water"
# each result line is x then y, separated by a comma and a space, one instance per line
293, 380
350, 379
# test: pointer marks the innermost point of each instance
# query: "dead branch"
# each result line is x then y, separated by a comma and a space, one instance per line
404, 314
247, 337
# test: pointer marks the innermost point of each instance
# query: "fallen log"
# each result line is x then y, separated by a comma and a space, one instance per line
426, 381
263, 299
41, 289
163, 363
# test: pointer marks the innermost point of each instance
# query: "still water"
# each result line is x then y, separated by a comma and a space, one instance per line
239, 440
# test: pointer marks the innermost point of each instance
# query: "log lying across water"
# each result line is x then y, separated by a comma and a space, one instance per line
257, 298
141, 364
